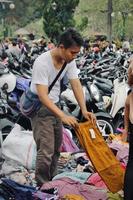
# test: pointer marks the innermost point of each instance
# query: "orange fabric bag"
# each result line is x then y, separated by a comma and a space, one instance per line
101, 156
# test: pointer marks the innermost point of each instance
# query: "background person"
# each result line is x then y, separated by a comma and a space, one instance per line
128, 127
13, 51
126, 45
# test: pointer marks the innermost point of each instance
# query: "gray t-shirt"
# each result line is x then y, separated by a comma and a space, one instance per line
44, 73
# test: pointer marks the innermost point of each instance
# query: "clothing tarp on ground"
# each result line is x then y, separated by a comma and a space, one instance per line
103, 159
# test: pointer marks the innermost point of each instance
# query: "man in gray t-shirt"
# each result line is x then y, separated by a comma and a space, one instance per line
47, 123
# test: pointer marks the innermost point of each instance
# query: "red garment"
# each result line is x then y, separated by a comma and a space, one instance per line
68, 186
96, 180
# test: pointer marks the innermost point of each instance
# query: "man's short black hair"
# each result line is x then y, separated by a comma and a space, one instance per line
70, 38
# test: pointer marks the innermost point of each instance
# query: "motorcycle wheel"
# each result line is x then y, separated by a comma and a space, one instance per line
105, 125
118, 121
119, 124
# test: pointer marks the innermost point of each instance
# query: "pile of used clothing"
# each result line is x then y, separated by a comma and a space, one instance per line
77, 178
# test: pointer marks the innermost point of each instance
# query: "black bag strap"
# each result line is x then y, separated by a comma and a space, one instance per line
56, 78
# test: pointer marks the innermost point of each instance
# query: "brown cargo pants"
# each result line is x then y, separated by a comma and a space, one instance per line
47, 132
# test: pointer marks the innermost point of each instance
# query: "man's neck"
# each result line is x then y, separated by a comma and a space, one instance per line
57, 59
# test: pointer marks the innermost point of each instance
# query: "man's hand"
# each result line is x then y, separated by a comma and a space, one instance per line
89, 116
69, 120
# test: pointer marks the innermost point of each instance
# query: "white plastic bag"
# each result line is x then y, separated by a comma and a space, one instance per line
20, 147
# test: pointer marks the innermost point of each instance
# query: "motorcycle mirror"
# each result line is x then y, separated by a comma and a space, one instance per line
11, 103
4, 87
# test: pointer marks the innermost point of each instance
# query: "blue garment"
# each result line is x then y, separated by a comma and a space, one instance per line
10, 189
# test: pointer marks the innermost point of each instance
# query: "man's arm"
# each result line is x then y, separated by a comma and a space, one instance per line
79, 95
42, 92
126, 120
126, 114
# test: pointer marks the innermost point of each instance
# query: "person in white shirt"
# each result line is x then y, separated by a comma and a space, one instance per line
47, 123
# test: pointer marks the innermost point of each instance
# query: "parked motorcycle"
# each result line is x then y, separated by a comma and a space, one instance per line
94, 104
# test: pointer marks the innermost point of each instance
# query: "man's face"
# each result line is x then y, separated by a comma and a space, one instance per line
70, 53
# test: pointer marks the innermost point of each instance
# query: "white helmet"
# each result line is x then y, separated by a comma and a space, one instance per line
6, 77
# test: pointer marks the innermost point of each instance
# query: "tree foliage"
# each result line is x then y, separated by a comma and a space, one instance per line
89, 16
91, 10
97, 11
23, 13
123, 15
83, 24
57, 19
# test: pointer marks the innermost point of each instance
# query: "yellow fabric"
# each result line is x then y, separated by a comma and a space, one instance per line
115, 196
73, 197
103, 159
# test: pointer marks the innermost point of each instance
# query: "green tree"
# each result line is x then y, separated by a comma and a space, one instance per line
23, 13
123, 10
96, 12
58, 16
83, 24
